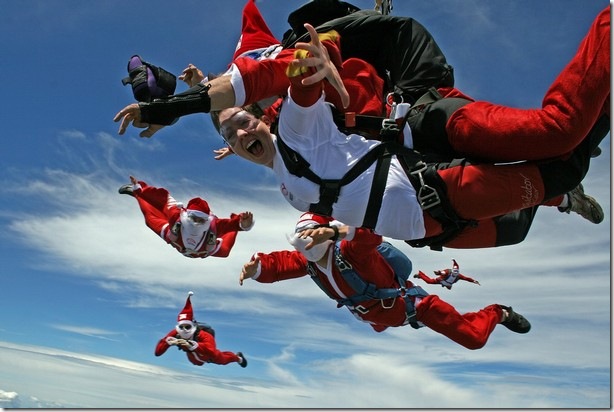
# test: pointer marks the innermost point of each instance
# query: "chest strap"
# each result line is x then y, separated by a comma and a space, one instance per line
364, 291
331, 188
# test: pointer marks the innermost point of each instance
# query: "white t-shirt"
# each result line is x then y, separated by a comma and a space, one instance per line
312, 132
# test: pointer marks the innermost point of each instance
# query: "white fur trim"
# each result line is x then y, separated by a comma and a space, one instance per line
259, 270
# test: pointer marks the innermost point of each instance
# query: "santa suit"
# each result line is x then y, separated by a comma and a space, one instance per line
205, 352
446, 279
470, 330
161, 211
572, 106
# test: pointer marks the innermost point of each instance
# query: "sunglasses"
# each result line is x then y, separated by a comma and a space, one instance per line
185, 326
242, 120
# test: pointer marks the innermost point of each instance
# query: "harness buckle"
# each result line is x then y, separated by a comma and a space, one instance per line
389, 126
342, 264
361, 309
394, 299
428, 197
418, 170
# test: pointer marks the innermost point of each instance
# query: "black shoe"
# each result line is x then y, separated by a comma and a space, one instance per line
515, 321
243, 361
596, 152
126, 190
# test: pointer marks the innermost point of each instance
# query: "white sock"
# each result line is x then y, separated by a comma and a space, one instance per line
565, 203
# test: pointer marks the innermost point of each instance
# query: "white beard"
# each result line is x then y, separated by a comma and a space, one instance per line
192, 234
186, 334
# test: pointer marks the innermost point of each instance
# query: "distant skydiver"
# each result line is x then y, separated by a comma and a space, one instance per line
369, 277
193, 230
445, 277
197, 341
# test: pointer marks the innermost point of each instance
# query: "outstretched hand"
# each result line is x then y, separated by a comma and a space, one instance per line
249, 269
191, 75
247, 219
132, 114
318, 235
222, 152
324, 67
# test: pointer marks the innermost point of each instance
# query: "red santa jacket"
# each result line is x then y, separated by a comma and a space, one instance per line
161, 213
204, 353
361, 252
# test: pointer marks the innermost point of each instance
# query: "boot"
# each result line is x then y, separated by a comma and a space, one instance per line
243, 361
584, 205
515, 321
126, 190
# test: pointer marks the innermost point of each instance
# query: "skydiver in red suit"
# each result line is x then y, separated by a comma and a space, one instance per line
197, 341
445, 277
389, 303
193, 230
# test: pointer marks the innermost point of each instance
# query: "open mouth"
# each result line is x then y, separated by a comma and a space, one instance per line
254, 147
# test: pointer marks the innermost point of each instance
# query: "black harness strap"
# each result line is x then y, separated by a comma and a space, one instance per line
430, 188
330, 188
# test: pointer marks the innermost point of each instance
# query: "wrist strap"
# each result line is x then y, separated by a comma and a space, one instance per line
336, 236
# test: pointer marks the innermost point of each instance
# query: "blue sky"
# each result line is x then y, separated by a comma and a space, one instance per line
87, 290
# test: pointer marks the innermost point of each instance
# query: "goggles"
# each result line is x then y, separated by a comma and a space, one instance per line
196, 219
185, 326
242, 120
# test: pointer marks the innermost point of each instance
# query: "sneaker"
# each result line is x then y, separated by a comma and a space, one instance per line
243, 361
515, 321
126, 190
584, 205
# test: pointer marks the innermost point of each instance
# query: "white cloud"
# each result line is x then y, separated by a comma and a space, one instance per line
318, 349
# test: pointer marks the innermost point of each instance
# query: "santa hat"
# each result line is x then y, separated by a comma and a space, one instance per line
186, 315
255, 34
311, 219
199, 207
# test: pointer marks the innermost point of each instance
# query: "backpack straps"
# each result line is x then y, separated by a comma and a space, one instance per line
368, 291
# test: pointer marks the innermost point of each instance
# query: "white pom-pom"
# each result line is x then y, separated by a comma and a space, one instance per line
190, 293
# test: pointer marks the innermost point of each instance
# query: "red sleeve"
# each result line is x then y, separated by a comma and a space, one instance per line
225, 225
265, 78
226, 233
281, 265
162, 346
466, 278
227, 242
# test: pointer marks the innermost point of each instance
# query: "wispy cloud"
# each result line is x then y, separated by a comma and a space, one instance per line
87, 331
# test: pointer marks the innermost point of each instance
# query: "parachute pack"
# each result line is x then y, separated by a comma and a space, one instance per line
148, 81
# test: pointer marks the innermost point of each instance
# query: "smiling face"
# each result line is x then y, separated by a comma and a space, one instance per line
247, 136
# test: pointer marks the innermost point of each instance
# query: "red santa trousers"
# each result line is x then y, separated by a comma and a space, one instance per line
470, 330
571, 106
